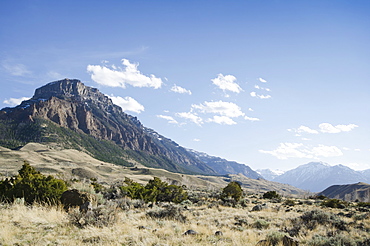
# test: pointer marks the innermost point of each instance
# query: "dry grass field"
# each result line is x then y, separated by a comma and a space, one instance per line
125, 225
254, 220
68, 164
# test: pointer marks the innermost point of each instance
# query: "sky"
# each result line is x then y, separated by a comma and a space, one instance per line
270, 84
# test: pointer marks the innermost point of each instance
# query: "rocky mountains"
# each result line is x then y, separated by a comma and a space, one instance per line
317, 176
67, 114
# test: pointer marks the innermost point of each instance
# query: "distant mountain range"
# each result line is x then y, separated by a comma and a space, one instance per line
317, 176
269, 174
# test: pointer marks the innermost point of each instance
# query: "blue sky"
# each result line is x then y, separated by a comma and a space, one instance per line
272, 84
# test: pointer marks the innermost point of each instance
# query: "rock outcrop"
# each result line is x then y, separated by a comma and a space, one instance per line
74, 198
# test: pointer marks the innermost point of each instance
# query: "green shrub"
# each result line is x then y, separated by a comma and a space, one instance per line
32, 186
289, 202
319, 197
271, 195
156, 190
233, 190
334, 203
98, 188
363, 204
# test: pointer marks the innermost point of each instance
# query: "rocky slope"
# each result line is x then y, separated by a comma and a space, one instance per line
222, 166
350, 192
84, 110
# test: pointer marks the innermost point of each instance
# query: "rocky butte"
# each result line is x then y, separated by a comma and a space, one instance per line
70, 104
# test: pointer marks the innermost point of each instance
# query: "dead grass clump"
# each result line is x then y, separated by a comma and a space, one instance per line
276, 237
318, 217
126, 203
99, 217
170, 213
311, 220
261, 224
340, 239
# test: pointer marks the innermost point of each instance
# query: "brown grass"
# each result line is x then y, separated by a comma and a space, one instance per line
38, 225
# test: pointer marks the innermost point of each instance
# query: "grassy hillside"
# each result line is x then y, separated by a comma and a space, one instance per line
14, 135
73, 164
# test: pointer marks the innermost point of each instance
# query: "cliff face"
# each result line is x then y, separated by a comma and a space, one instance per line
71, 104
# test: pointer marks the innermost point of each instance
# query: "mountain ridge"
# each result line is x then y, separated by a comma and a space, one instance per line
349, 192
316, 176
223, 166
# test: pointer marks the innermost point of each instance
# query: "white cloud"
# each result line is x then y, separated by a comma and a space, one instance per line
227, 83
190, 116
250, 109
261, 88
222, 108
358, 166
262, 80
15, 101
326, 151
222, 120
287, 150
298, 150
264, 96
170, 119
127, 104
120, 78
196, 140
180, 90
329, 128
304, 129
251, 119
254, 94
54, 75
16, 69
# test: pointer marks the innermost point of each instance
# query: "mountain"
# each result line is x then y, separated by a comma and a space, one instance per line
366, 174
69, 114
223, 167
269, 174
316, 176
350, 192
